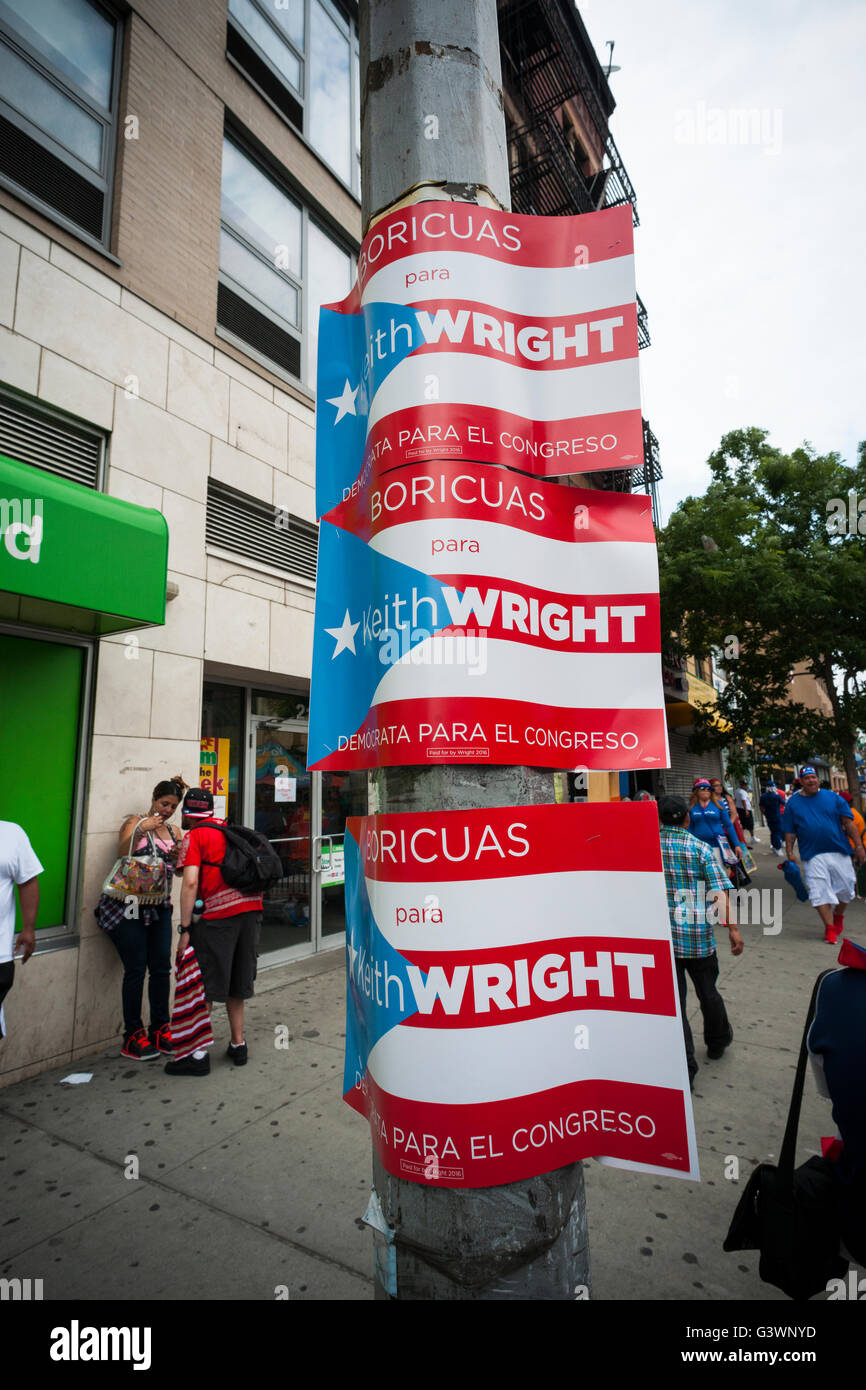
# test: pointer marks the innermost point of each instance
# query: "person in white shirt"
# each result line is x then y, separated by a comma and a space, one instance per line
18, 865
743, 803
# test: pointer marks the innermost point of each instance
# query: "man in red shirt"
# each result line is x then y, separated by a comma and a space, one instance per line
226, 937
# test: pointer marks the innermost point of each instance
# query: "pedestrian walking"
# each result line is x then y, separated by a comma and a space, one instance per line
743, 803
697, 896
837, 1044
19, 867
141, 932
710, 822
822, 824
772, 808
860, 838
226, 936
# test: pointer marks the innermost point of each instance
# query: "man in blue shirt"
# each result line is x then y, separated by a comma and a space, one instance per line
772, 809
697, 894
819, 820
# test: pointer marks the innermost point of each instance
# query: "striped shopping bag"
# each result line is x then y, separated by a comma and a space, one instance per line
190, 1022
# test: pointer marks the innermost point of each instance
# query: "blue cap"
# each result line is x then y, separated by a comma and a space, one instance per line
808, 771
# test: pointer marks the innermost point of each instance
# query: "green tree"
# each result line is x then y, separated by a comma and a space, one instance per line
765, 569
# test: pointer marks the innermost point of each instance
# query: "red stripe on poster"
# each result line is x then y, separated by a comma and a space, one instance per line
486, 1144
506, 842
400, 732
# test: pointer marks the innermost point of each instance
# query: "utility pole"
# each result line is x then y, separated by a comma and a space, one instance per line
432, 127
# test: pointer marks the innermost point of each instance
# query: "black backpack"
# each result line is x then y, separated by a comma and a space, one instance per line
251, 863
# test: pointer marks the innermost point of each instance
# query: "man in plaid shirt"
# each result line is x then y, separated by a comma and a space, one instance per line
697, 901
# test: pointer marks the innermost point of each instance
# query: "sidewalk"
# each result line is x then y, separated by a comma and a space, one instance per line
257, 1177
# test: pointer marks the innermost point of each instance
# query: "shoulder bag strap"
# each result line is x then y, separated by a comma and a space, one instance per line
789, 1143
134, 834
208, 825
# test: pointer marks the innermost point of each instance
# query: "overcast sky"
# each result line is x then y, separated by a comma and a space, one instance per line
751, 255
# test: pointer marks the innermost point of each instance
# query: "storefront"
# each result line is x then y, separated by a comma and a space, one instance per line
75, 565
685, 694
254, 759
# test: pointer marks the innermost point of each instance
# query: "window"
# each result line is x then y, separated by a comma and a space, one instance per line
277, 267
303, 55
58, 78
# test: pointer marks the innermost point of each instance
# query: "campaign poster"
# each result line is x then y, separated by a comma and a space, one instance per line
476, 615
481, 336
512, 1003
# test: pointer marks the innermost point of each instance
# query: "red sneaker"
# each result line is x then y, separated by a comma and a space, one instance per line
138, 1047
160, 1038
838, 925
830, 935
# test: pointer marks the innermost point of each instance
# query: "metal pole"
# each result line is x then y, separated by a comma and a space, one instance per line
432, 127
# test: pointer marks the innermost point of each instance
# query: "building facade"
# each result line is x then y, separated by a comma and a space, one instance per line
179, 192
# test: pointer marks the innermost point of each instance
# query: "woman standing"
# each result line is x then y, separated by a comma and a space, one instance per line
709, 819
143, 941
721, 794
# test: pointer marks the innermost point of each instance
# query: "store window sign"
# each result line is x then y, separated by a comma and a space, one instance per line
285, 787
21, 527
213, 772
333, 871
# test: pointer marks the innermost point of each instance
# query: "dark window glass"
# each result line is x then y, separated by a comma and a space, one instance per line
272, 706
222, 717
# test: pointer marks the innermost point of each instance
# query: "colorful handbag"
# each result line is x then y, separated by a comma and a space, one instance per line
143, 877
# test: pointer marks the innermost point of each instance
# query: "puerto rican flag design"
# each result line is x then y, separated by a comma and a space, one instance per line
511, 993
477, 615
483, 336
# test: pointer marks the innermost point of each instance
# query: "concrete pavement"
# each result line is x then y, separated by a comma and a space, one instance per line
251, 1182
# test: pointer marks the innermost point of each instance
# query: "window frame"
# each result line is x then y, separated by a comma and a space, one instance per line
306, 380
348, 27
105, 180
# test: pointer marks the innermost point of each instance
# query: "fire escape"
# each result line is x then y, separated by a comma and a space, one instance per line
562, 157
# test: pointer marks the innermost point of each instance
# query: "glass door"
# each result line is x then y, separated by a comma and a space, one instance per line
280, 805
344, 794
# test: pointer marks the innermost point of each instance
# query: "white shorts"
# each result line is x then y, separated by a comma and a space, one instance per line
829, 879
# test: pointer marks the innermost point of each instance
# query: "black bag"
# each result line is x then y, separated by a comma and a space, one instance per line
792, 1216
251, 863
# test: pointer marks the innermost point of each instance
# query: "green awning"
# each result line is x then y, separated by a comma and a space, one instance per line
76, 559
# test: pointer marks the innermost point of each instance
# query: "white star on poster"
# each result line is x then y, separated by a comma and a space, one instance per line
353, 951
346, 403
344, 636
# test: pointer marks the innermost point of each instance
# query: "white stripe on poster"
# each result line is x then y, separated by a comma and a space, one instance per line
506, 912
469, 379
539, 291
466, 1066
442, 546
493, 669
